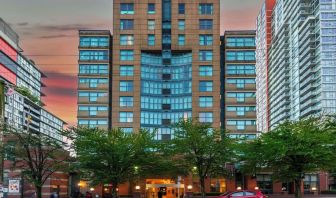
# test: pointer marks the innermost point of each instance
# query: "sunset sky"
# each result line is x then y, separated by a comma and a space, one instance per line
48, 31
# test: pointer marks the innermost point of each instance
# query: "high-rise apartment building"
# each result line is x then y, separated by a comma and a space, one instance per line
94, 88
300, 59
263, 40
238, 84
296, 68
165, 66
17, 72
22, 109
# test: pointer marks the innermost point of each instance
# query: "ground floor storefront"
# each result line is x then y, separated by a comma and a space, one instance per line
178, 187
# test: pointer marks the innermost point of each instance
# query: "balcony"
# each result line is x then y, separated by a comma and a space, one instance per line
166, 91
166, 122
166, 76
166, 107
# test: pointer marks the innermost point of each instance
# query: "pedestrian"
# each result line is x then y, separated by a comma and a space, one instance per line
54, 195
33, 195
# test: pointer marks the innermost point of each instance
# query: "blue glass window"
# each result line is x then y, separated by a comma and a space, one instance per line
151, 8
94, 41
241, 69
126, 39
206, 117
126, 8
241, 82
126, 129
240, 56
205, 8
205, 55
126, 70
92, 123
241, 124
241, 96
125, 117
241, 110
166, 39
155, 103
93, 69
205, 39
181, 39
93, 110
126, 24
126, 55
93, 96
93, 82
181, 24
240, 42
205, 101
205, 86
151, 24
97, 55
205, 70
126, 86
151, 40
181, 8
126, 101
205, 24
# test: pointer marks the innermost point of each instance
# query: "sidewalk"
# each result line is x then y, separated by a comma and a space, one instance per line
308, 196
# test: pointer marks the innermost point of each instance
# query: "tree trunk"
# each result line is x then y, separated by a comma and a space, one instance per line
202, 181
297, 186
38, 191
114, 191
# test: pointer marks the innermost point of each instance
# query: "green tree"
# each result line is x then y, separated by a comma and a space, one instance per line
116, 157
291, 150
35, 155
203, 150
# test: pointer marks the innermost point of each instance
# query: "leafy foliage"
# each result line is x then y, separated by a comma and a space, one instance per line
26, 92
36, 155
203, 150
116, 157
292, 149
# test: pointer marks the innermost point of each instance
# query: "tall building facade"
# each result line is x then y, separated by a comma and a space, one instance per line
20, 75
263, 40
301, 60
165, 66
21, 108
94, 78
238, 84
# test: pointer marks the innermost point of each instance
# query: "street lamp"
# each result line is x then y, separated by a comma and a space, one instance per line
189, 187
239, 188
137, 187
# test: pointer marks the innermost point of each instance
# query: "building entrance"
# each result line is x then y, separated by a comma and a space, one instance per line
164, 188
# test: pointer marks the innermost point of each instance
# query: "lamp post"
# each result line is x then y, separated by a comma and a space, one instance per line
189, 193
314, 189
79, 187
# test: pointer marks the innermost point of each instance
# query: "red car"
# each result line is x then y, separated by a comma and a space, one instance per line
243, 194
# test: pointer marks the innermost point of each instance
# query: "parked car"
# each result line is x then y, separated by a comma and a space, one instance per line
243, 194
